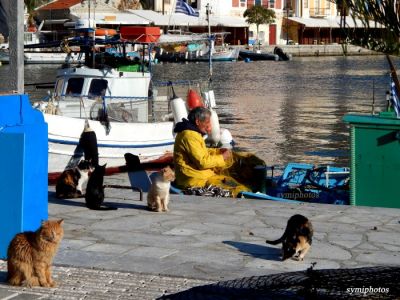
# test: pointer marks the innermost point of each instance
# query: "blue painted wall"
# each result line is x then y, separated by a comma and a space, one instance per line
23, 168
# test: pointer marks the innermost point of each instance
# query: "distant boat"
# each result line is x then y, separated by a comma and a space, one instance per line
258, 55
248, 54
41, 55
180, 47
45, 57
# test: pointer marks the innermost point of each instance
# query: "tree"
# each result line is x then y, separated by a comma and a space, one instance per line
259, 15
373, 14
30, 8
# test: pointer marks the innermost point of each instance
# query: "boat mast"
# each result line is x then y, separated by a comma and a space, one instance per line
92, 25
208, 12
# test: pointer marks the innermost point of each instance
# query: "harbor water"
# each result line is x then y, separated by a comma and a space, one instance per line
282, 111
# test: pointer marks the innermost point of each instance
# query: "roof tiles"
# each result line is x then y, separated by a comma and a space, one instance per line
60, 4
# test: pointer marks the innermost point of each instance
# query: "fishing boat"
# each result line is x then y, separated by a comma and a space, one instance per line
119, 103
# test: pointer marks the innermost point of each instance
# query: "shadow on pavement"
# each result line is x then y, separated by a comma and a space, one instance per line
258, 251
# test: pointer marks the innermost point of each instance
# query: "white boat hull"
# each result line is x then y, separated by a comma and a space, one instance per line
46, 58
149, 141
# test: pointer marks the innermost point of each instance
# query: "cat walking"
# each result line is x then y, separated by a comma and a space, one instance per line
30, 255
94, 196
296, 239
158, 195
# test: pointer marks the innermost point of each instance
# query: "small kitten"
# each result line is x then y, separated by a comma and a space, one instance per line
297, 238
71, 182
158, 196
30, 255
94, 196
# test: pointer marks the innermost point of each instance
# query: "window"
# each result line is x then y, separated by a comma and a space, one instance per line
305, 3
258, 2
243, 3
97, 87
75, 86
271, 4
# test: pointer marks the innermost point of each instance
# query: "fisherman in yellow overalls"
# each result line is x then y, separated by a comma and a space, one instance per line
199, 166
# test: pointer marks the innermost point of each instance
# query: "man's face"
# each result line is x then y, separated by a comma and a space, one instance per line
204, 126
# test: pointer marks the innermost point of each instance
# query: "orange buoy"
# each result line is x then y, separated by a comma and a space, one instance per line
194, 99
105, 31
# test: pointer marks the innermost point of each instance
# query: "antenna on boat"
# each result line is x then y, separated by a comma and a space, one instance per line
210, 71
174, 96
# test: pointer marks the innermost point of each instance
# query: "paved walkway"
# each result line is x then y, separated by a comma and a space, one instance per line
104, 253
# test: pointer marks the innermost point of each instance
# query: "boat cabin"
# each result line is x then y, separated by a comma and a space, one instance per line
80, 92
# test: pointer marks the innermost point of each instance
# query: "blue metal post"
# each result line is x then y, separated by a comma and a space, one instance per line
23, 172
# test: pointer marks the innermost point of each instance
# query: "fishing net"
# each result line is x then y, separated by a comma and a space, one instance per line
359, 283
208, 191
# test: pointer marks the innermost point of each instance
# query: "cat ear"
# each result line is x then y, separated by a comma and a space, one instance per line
42, 222
104, 165
61, 221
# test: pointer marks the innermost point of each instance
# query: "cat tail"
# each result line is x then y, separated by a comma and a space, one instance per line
280, 240
276, 242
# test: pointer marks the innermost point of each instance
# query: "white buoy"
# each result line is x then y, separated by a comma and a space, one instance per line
209, 99
226, 139
215, 135
179, 109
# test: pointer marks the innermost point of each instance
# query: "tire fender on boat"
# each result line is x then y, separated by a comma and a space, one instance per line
179, 109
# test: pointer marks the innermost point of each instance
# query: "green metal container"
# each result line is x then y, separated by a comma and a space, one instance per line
129, 68
375, 159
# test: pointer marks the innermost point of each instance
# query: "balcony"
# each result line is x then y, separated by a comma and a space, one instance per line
320, 12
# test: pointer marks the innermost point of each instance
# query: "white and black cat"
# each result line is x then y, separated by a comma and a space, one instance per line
71, 182
94, 196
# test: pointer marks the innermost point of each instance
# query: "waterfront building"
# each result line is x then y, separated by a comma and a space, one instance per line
60, 17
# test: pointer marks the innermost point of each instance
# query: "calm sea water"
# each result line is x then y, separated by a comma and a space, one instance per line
282, 111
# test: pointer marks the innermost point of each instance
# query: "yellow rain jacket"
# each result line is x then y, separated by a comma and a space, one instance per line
199, 166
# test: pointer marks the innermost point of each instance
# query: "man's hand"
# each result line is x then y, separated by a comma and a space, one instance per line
226, 153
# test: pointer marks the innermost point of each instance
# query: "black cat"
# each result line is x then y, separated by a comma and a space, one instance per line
94, 196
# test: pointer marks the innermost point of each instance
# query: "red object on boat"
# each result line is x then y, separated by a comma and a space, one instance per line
105, 31
32, 28
140, 34
194, 99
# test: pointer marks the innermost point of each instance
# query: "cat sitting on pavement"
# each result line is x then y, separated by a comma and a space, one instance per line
158, 195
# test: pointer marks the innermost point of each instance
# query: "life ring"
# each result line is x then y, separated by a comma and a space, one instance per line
105, 31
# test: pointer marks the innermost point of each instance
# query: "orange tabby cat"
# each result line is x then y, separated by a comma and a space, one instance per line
158, 196
30, 255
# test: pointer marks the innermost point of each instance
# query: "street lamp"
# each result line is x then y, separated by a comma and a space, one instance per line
287, 21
